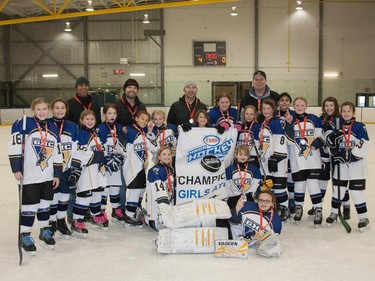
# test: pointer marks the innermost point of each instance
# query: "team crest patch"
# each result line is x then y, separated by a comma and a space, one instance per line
305, 143
42, 155
66, 150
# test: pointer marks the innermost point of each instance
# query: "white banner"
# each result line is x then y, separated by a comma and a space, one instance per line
201, 158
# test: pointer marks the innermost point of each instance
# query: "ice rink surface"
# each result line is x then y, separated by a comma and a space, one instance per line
130, 254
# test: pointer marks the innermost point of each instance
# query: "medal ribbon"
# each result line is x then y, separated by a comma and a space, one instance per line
259, 102
78, 100
264, 124
43, 139
261, 220
162, 140
347, 135
169, 181
225, 116
132, 112
113, 134
191, 113
143, 138
242, 176
61, 127
247, 133
302, 132
97, 144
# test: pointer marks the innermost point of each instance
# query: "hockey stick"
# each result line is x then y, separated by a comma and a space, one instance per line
20, 189
238, 112
259, 158
341, 217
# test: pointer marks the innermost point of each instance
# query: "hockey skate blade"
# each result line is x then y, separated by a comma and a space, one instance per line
97, 227
117, 221
318, 226
364, 229
331, 224
286, 222
79, 235
66, 237
46, 246
29, 253
129, 225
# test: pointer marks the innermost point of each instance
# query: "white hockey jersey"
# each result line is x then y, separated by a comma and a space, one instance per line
41, 160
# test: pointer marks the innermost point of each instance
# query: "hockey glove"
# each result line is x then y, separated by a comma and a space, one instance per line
118, 158
272, 164
111, 165
342, 157
225, 125
220, 129
267, 184
74, 175
186, 127
237, 126
334, 139
254, 161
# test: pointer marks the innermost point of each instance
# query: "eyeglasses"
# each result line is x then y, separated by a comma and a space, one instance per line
264, 201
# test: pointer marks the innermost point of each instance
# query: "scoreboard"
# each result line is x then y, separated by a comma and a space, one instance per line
209, 53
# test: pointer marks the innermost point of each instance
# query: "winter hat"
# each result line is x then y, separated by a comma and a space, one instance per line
261, 73
131, 82
190, 83
82, 80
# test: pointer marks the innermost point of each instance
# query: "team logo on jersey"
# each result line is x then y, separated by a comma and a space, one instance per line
66, 150
251, 226
237, 181
102, 170
139, 149
42, 155
305, 143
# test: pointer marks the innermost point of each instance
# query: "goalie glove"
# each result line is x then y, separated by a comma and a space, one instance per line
118, 158
74, 175
220, 129
273, 162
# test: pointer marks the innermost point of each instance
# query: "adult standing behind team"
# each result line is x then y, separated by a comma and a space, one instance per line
258, 92
129, 104
183, 110
82, 101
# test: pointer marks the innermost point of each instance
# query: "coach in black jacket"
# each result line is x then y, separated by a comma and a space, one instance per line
129, 104
258, 92
183, 110
82, 101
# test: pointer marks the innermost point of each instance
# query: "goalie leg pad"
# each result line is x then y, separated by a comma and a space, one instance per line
201, 212
190, 240
269, 245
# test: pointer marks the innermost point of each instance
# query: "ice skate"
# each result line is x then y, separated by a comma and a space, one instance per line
140, 215
62, 229
79, 229
53, 227
132, 222
332, 219
46, 239
363, 225
100, 222
311, 213
346, 212
27, 244
284, 214
292, 206
117, 216
318, 218
298, 214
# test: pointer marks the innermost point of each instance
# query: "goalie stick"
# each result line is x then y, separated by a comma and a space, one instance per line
20, 189
341, 217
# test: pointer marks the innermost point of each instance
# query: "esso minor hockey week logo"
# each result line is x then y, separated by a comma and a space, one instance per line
211, 140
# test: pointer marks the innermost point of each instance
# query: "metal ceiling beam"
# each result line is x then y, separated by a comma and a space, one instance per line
113, 11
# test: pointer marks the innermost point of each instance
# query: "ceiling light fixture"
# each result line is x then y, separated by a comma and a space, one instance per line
67, 27
234, 11
50, 75
146, 19
299, 6
90, 7
137, 74
331, 75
